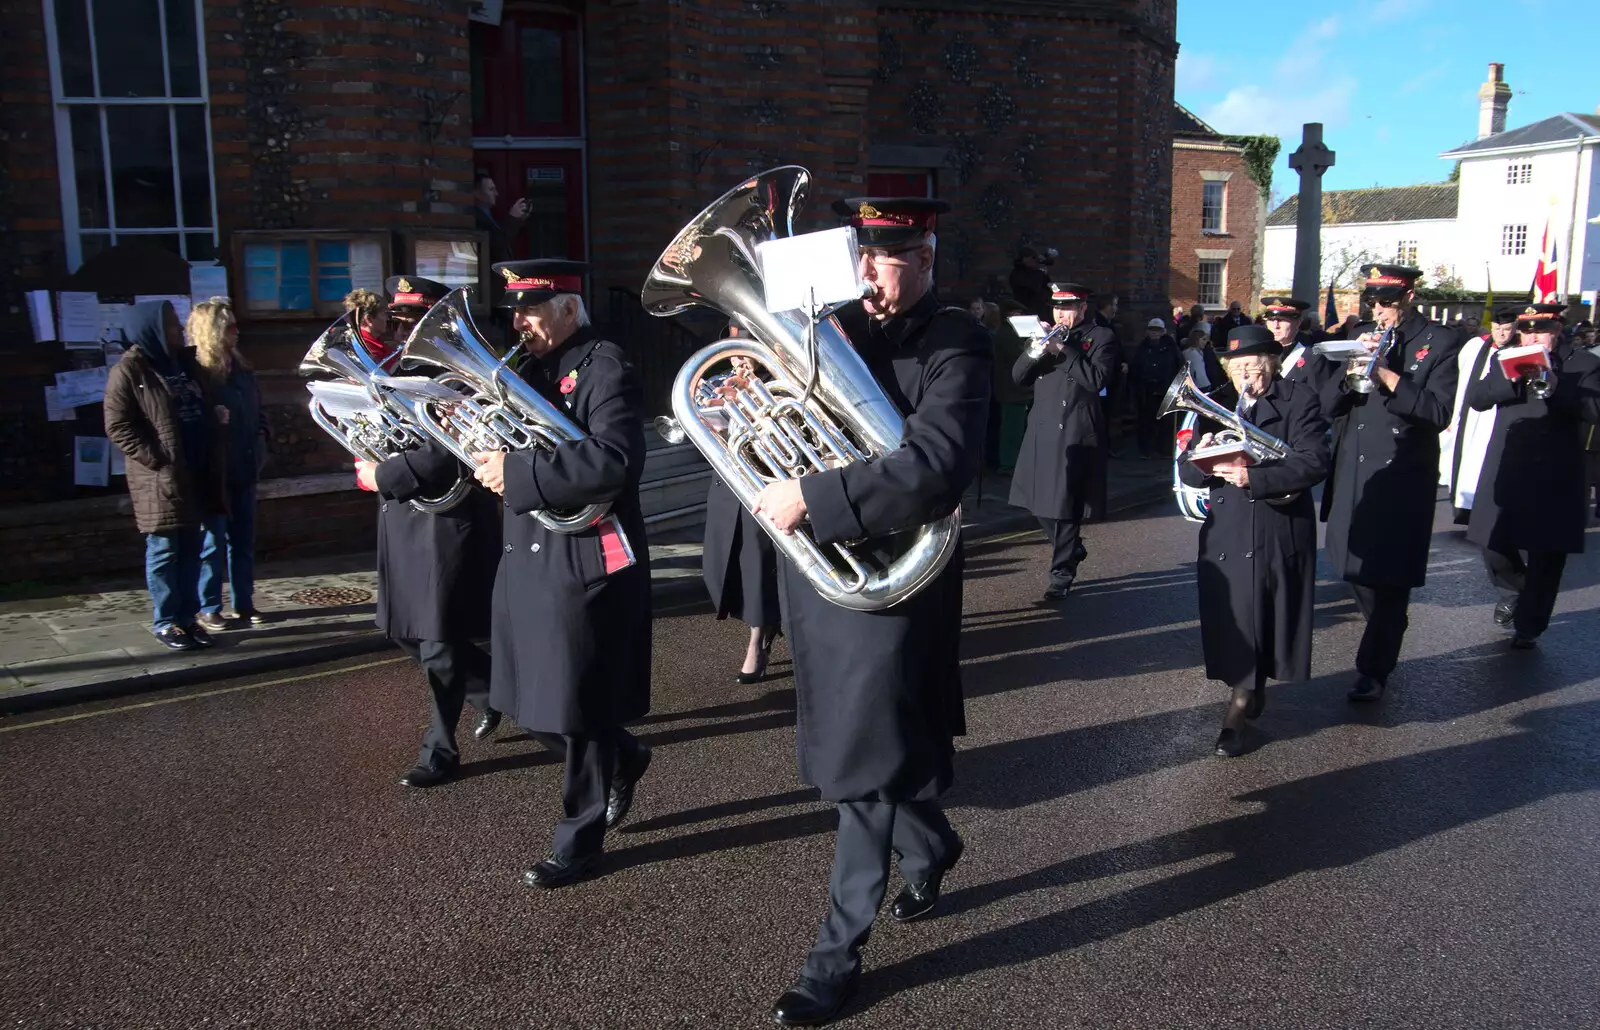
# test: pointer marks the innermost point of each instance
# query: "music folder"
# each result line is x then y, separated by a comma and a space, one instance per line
1528, 360
1206, 459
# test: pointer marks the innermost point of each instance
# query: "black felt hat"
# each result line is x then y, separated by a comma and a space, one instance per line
533, 282
887, 221
1506, 314
413, 291
1251, 339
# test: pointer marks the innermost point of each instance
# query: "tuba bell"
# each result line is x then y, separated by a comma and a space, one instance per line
483, 405
1185, 396
383, 431
794, 417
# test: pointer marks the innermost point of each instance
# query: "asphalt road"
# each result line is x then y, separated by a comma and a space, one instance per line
241, 855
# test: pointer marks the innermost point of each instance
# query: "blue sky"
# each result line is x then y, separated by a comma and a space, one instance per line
1394, 82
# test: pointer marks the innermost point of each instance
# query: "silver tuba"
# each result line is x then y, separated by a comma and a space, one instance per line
794, 417
491, 409
379, 433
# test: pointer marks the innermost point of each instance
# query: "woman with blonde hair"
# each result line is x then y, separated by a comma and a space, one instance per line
369, 313
228, 550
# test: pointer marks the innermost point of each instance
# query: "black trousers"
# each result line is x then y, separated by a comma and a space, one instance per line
457, 672
1066, 547
1155, 435
1384, 608
591, 760
870, 832
1533, 584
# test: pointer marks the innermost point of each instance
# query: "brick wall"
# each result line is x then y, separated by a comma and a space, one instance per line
1242, 221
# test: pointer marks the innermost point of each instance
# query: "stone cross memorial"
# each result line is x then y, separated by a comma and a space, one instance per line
1311, 160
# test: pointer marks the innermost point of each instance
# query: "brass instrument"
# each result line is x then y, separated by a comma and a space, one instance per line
811, 406
1358, 374
492, 410
1185, 396
338, 356
1058, 334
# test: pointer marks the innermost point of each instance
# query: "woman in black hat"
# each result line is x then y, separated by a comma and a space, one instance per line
1258, 547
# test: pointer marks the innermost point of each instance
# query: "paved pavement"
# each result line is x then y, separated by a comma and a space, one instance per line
94, 641
239, 854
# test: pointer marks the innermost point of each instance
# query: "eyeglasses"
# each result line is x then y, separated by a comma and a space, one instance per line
880, 255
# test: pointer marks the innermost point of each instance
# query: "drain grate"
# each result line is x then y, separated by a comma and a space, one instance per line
327, 597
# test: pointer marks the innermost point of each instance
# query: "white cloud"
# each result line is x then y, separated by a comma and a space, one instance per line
1280, 110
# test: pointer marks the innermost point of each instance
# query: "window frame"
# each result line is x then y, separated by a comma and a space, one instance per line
1406, 253
504, 115
1514, 239
1221, 228
1519, 173
1222, 282
66, 167
240, 238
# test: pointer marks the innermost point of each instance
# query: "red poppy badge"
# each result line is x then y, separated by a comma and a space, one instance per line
1423, 353
569, 382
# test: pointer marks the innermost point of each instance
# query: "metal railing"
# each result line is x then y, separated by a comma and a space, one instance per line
658, 347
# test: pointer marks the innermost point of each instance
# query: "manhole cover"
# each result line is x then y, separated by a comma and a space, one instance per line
327, 597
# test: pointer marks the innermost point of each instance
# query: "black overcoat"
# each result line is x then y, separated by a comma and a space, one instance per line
1063, 448
1257, 568
738, 563
572, 644
1380, 497
1531, 494
435, 572
878, 694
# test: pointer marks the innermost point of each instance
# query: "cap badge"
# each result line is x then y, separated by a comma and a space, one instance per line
868, 211
1531, 310
1375, 273
403, 286
511, 276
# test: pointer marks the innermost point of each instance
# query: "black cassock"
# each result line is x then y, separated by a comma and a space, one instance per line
878, 694
435, 572
572, 644
1258, 559
1380, 497
1531, 492
739, 563
1063, 449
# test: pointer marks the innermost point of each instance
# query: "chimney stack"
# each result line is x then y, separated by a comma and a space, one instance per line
1493, 96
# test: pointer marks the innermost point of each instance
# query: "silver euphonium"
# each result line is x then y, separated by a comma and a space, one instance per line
380, 433
1184, 395
792, 418
492, 408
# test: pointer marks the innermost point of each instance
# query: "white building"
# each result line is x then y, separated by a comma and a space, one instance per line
1415, 225
1483, 229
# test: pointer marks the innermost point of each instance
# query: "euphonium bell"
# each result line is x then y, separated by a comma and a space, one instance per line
487, 407
774, 425
384, 432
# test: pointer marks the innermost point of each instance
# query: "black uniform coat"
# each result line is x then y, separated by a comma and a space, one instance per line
1258, 560
571, 644
1531, 494
739, 563
1379, 500
435, 572
878, 694
1064, 444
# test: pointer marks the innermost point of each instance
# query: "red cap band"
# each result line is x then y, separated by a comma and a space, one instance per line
406, 299
558, 283
1066, 295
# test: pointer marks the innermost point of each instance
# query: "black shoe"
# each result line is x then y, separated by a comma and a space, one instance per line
175, 637
556, 871
488, 722
1523, 642
1080, 554
198, 634
813, 1002
1366, 688
622, 785
430, 774
1230, 744
1504, 612
1258, 703
760, 674
917, 899
1056, 592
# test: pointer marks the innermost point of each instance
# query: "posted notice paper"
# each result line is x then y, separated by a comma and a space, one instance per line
80, 318
91, 460
54, 410
41, 315
83, 386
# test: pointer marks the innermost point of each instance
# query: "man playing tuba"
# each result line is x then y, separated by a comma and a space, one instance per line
571, 637
878, 693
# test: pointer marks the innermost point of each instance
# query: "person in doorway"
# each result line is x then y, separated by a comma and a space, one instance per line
228, 552
502, 234
158, 414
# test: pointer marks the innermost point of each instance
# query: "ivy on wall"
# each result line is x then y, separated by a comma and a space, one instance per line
1259, 154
